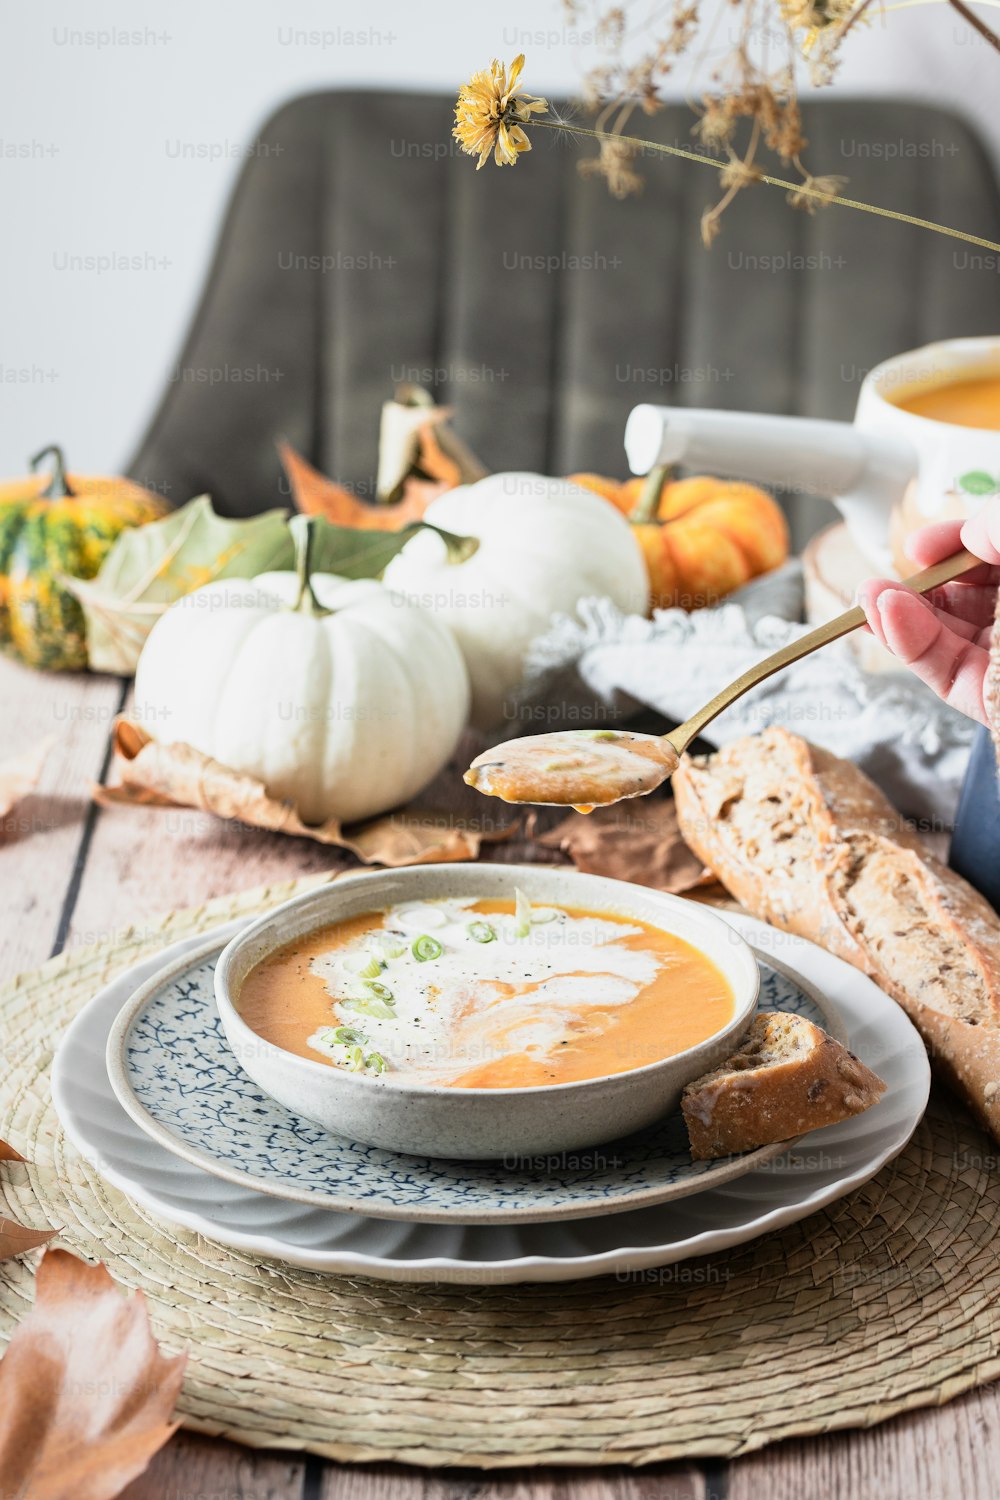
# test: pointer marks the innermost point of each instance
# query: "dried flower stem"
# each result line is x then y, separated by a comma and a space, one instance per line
974, 21
802, 189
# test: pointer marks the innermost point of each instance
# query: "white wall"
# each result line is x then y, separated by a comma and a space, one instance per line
97, 98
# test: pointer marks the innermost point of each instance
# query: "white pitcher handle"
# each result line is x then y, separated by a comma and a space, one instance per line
864, 473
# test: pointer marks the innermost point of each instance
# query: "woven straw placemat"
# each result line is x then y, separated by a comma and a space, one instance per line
886, 1301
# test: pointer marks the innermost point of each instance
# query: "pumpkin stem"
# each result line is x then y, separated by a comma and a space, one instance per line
459, 548
58, 486
649, 501
303, 529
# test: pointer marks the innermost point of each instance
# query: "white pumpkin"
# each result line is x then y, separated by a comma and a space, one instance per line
342, 697
544, 544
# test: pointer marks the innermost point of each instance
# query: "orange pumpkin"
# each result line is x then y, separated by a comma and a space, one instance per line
701, 537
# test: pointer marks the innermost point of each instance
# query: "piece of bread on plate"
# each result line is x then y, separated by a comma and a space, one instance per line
805, 841
788, 1077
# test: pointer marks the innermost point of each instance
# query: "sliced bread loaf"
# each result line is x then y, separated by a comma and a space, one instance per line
805, 841
788, 1077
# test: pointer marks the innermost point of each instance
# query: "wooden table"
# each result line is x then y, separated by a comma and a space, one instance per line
72, 874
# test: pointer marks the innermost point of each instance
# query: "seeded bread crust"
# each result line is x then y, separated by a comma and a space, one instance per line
805, 841
787, 1077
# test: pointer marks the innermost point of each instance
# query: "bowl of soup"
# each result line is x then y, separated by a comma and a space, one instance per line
483, 1011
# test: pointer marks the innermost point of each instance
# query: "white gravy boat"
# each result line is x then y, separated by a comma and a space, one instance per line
888, 472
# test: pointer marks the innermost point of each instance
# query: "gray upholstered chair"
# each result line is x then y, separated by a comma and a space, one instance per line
361, 249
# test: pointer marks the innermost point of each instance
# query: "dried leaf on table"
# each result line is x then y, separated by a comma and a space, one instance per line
20, 775
641, 843
15, 1239
315, 495
159, 775
86, 1396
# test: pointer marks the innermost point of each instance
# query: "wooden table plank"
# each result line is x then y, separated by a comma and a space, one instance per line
943, 1453
385, 1482
41, 838
101, 871
197, 1468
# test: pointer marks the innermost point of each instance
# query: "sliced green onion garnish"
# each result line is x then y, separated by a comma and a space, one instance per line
356, 1059
377, 1009
597, 734
375, 1062
372, 999
522, 914
425, 947
391, 945
372, 969
346, 1036
482, 932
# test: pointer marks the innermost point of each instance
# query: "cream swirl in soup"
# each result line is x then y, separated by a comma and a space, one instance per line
487, 994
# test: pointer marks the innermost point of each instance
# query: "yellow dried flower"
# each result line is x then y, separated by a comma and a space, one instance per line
489, 115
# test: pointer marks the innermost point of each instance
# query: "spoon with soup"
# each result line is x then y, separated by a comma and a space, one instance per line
587, 768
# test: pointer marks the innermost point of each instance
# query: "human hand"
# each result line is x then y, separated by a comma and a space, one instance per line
944, 636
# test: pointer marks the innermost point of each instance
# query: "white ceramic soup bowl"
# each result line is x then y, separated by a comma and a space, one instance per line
437, 1120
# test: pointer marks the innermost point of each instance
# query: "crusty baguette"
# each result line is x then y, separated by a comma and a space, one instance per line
805, 841
787, 1077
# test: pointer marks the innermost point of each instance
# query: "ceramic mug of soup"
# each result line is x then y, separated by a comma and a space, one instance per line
924, 445
943, 401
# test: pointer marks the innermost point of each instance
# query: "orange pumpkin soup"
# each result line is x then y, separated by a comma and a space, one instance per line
962, 403
487, 994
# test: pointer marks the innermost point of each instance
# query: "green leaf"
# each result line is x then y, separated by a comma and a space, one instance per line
150, 567
978, 482
353, 553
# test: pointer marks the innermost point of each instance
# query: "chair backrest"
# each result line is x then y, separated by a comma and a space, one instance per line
361, 250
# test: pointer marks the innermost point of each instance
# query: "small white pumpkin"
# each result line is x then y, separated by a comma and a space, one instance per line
544, 544
342, 697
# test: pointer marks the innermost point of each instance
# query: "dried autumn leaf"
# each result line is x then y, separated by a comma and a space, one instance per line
20, 775
433, 459
408, 448
315, 495
85, 1394
642, 844
15, 1239
158, 775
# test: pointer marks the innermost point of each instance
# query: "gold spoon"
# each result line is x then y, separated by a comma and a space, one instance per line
588, 768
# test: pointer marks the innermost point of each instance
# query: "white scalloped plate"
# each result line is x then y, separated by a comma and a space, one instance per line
824, 1166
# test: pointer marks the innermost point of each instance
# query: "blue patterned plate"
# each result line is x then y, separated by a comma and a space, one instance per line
172, 1070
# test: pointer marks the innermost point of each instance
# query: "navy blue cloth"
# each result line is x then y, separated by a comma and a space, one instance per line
975, 847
